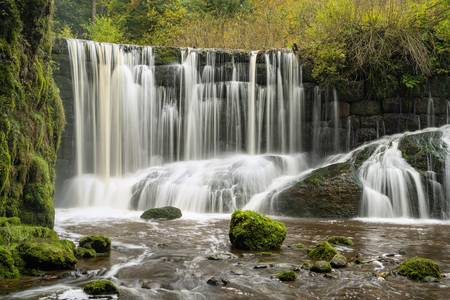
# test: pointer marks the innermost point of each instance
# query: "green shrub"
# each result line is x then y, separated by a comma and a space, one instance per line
252, 231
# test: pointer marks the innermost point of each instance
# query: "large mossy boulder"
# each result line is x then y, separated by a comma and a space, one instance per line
333, 191
47, 256
7, 268
100, 244
252, 231
163, 213
322, 251
418, 268
100, 287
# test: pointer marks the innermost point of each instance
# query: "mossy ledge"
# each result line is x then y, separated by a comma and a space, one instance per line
31, 112
252, 231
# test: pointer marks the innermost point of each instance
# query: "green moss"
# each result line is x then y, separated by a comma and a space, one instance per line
287, 276
322, 251
16, 234
56, 255
7, 268
167, 213
299, 246
340, 240
339, 261
100, 287
81, 252
252, 231
4, 221
100, 244
418, 268
321, 266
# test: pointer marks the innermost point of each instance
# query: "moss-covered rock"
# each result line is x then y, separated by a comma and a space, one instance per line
166, 213
333, 191
321, 266
81, 252
7, 268
4, 221
46, 256
339, 261
322, 251
287, 276
252, 231
340, 240
418, 268
100, 287
16, 234
100, 244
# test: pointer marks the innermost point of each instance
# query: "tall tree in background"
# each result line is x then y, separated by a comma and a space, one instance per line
94, 9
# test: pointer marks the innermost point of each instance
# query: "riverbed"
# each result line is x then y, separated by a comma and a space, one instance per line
191, 258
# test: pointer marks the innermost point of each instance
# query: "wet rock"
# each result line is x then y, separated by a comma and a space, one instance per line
357, 259
81, 252
365, 108
322, 251
238, 272
430, 279
297, 246
321, 266
100, 287
221, 256
339, 261
163, 213
217, 281
99, 243
307, 265
252, 231
261, 267
418, 268
287, 276
329, 192
340, 240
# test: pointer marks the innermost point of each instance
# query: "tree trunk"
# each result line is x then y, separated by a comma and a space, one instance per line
94, 9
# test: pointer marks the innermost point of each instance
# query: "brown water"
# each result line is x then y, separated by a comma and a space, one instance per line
169, 260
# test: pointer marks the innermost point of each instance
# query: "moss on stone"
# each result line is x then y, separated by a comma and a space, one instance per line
100, 287
166, 213
321, 266
418, 268
340, 240
252, 231
339, 261
299, 246
81, 252
16, 234
7, 268
322, 251
100, 244
4, 221
46, 256
287, 276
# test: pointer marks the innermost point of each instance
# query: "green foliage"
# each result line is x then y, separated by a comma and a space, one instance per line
287, 276
417, 268
100, 244
45, 256
100, 287
340, 240
4, 221
104, 29
167, 213
7, 268
12, 235
252, 231
322, 251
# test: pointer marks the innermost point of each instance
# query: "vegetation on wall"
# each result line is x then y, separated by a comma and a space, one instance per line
31, 112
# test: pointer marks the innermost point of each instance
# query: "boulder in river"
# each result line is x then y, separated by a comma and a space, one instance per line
340, 240
252, 231
322, 251
287, 276
419, 268
321, 266
165, 213
99, 243
100, 287
339, 261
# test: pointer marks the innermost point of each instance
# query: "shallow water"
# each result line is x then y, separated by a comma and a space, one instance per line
169, 259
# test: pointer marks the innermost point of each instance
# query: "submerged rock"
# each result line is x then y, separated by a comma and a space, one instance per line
252, 231
46, 256
81, 252
338, 261
329, 192
7, 268
217, 281
221, 256
99, 243
287, 276
321, 266
340, 240
419, 268
322, 251
100, 287
166, 213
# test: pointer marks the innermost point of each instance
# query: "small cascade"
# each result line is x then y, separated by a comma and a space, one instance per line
336, 122
431, 122
349, 134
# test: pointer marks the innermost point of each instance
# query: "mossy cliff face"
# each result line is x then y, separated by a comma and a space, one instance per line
31, 112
